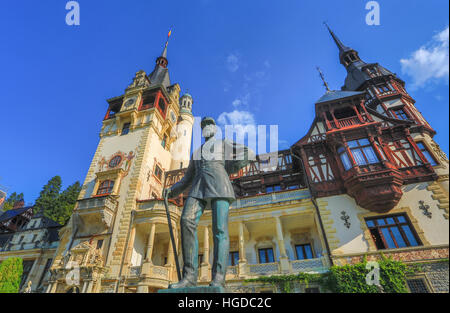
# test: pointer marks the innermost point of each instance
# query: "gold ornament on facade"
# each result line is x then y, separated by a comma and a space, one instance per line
437, 149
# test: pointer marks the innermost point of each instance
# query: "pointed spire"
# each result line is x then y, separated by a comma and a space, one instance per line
164, 53
162, 60
323, 79
341, 46
160, 74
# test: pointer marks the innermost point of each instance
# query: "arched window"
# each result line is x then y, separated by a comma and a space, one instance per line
105, 187
115, 161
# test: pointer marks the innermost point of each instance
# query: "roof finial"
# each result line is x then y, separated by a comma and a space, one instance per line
323, 78
339, 43
164, 54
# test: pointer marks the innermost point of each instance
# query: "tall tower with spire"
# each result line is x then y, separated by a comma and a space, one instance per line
385, 91
379, 141
146, 131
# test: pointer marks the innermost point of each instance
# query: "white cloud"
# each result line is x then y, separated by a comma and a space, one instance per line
241, 121
233, 62
241, 101
430, 62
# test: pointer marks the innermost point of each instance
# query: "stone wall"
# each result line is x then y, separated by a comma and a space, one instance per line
437, 274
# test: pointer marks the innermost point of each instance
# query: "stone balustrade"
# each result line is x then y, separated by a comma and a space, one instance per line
270, 198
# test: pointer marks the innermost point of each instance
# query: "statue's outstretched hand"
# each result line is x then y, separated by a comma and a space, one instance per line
167, 193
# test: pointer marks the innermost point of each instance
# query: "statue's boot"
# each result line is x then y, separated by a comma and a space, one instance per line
185, 282
218, 281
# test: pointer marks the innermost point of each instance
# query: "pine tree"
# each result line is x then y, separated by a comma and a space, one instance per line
10, 275
67, 200
48, 200
57, 205
13, 198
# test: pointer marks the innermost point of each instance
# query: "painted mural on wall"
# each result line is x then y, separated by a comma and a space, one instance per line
117, 160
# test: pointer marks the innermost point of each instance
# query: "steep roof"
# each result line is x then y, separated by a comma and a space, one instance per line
159, 76
356, 76
337, 94
13, 213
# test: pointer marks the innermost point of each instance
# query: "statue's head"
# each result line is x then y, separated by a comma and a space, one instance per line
208, 126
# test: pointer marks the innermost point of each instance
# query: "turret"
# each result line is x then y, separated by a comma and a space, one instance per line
181, 149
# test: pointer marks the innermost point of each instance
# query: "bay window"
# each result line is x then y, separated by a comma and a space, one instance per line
362, 152
344, 158
426, 153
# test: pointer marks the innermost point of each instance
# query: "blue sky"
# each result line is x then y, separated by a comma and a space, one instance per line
247, 61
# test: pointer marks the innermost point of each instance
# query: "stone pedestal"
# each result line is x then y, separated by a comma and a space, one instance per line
198, 289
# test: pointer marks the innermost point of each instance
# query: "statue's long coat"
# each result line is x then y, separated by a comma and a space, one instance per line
209, 169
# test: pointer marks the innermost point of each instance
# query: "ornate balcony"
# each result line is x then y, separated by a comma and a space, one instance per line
310, 265
152, 276
96, 214
270, 198
349, 122
264, 269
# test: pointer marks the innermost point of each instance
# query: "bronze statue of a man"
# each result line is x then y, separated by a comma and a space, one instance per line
208, 175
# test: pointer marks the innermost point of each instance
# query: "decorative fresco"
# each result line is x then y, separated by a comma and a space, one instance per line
117, 160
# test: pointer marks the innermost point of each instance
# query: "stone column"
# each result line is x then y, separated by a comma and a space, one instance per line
242, 267
147, 264
85, 284
206, 245
117, 181
54, 287
129, 250
170, 256
49, 287
89, 286
150, 243
284, 261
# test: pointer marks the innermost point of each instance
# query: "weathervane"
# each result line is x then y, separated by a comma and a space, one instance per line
323, 78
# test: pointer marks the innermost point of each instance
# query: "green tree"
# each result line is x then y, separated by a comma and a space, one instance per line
13, 198
10, 275
67, 200
57, 205
48, 200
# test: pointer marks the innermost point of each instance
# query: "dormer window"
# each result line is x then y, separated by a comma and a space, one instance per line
372, 71
147, 101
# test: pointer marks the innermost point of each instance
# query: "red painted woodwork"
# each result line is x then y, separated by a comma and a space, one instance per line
377, 186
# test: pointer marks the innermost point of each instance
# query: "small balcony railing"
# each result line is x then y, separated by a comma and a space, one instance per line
264, 268
309, 265
346, 122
